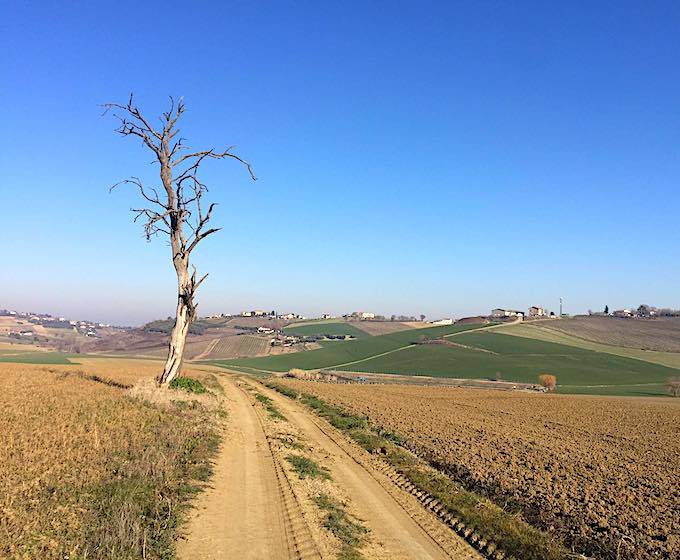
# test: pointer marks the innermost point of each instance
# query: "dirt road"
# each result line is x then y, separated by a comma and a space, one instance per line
250, 512
243, 514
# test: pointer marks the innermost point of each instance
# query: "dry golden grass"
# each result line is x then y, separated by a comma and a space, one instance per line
89, 470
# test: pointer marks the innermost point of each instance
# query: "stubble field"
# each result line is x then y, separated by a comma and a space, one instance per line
91, 469
600, 472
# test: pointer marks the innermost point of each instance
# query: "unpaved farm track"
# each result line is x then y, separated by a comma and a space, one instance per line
251, 511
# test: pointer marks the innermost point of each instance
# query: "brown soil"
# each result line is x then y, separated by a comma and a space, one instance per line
648, 334
601, 472
241, 516
376, 328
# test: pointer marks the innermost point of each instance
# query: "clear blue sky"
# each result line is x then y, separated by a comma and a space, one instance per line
442, 158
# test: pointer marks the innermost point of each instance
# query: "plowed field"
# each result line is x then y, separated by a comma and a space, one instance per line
601, 472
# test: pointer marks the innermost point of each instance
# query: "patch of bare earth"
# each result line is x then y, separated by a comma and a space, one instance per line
287, 487
661, 334
376, 328
600, 472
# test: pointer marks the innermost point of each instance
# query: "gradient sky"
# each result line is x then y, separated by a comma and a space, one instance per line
438, 158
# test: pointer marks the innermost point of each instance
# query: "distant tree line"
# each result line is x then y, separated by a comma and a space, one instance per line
403, 318
645, 310
165, 326
317, 337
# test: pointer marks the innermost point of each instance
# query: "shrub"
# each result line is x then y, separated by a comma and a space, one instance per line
673, 386
270, 406
548, 381
287, 391
188, 384
306, 467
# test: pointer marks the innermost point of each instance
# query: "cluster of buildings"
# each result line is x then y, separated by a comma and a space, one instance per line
535, 311
642, 312
87, 328
362, 315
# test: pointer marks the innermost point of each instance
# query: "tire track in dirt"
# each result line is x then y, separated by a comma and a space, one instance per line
249, 511
404, 529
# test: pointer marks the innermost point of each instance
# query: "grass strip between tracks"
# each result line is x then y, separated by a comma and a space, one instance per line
507, 530
350, 533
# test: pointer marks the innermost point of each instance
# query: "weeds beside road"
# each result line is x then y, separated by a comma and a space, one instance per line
506, 530
87, 470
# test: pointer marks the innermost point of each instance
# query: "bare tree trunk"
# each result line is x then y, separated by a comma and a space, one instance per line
178, 337
179, 204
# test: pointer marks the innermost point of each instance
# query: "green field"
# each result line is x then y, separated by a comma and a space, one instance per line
523, 359
320, 329
36, 358
344, 352
481, 355
536, 331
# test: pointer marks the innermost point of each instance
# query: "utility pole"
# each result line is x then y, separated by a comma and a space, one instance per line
560, 307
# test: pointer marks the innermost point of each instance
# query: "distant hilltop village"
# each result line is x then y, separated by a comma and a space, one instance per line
360, 315
84, 327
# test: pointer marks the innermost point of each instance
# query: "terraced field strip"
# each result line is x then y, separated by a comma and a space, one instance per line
33, 357
242, 345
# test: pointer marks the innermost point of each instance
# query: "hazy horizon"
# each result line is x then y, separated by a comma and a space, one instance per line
138, 319
442, 161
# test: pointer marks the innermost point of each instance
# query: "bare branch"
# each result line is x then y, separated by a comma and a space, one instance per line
177, 209
155, 199
215, 155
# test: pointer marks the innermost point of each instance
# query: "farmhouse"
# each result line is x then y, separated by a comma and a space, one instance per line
536, 311
506, 313
442, 322
363, 315
289, 316
327, 316
623, 313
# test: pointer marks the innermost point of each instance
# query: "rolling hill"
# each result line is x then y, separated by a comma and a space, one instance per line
322, 328
340, 353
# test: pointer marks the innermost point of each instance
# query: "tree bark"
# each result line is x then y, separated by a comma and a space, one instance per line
178, 337
186, 310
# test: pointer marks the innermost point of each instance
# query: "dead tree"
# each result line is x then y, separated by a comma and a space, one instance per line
176, 209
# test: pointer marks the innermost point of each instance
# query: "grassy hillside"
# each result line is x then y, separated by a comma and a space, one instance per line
522, 359
347, 351
538, 332
321, 329
34, 358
